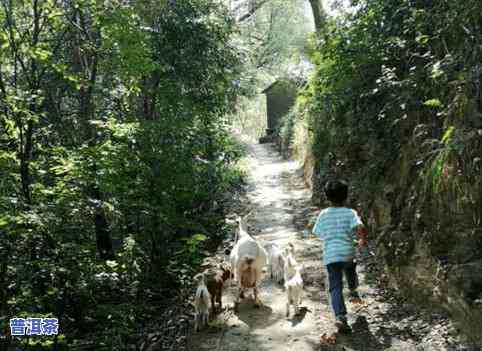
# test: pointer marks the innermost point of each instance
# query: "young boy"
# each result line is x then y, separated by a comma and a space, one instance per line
336, 226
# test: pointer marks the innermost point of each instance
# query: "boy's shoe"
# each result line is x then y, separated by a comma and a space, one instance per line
342, 325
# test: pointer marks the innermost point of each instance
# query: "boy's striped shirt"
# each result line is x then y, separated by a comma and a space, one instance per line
335, 226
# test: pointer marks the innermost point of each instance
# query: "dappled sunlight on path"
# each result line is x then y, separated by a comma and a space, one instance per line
282, 213
272, 221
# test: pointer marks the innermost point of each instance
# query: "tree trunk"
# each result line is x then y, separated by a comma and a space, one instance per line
318, 14
102, 233
253, 7
25, 156
88, 66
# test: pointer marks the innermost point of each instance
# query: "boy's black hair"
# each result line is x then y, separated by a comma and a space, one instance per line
336, 191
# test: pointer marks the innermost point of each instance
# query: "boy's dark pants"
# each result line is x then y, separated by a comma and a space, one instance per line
335, 280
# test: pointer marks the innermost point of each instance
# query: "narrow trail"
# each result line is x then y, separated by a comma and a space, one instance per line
281, 214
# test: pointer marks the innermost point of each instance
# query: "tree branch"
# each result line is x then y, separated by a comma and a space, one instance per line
252, 10
318, 14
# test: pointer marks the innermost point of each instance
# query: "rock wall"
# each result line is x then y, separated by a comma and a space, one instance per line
407, 257
425, 281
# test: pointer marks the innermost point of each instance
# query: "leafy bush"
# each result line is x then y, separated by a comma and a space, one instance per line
394, 106
286, 129
114, 149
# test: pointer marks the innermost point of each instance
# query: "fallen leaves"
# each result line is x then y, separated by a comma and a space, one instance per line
359, 304
357, 301
328, 340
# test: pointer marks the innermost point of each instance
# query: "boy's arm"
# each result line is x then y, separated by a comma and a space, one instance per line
362, 234
317, 230
360, 229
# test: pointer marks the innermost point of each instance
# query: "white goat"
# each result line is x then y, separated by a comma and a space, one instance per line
241, 232
294, 291
289, 262
201, 302
293, 280
277, 262
248, 258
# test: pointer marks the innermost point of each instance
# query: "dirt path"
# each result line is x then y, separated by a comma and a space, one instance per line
281, 214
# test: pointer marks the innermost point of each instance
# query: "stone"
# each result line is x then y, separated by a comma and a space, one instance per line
467, 278
399, 345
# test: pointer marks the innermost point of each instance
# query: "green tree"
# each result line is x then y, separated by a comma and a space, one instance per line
114, 149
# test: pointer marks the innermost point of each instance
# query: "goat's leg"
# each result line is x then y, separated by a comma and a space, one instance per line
288, 301
238, 297
205, 318
295, 305
219, 298
239, 281
196, 321
257, 301
257, 277
288, 306
213, 304
233, 278
235, 270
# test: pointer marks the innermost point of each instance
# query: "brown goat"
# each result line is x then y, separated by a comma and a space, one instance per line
215, 285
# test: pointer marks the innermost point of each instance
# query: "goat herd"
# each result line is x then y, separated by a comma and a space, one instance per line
248, 259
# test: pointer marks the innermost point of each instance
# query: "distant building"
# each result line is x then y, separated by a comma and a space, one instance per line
280, 97
281, 94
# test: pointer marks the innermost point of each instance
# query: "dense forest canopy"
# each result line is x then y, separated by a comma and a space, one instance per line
113, 150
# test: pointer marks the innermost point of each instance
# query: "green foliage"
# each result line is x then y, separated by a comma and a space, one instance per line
286, 129
249, 118
114, 148
395, 103
190, 252
433, 103
272, 36
270, 44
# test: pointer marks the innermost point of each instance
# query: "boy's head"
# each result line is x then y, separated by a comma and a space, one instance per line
336, 191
